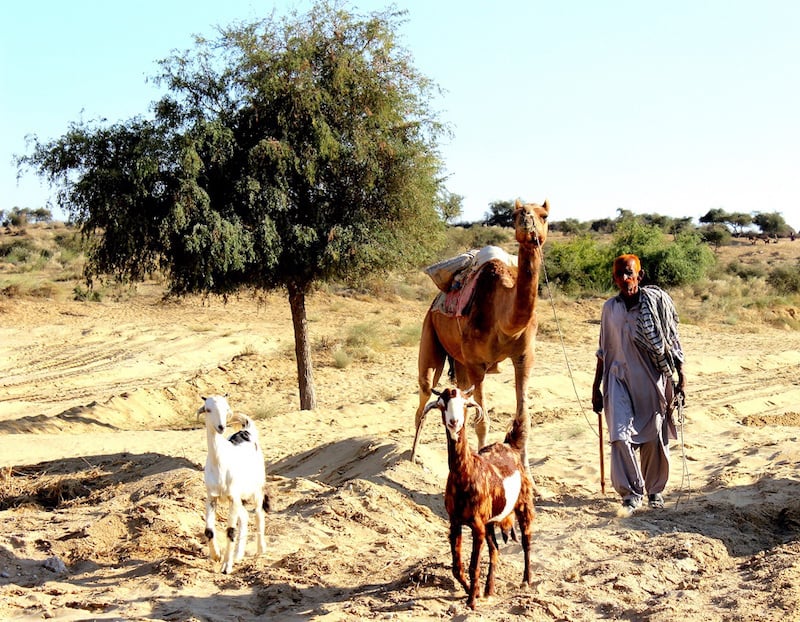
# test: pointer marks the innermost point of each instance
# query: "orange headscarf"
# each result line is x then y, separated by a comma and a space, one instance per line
621, 262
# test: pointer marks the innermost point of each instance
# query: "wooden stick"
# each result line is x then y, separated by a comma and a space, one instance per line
602, 454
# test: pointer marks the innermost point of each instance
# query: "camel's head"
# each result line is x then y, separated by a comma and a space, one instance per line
454, 404
530, 223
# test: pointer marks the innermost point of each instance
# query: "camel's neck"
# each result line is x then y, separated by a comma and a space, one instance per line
523, 308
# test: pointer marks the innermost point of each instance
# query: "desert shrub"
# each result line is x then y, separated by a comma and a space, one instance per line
460, 239
642, 240
687, 260
785, 280
583, 263
86, 294
341, 358
745, 271
408, 335
578, 264
18, 251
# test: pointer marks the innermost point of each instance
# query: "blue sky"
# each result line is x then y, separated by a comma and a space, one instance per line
672, 107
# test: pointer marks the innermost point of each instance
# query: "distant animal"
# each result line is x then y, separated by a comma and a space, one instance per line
483, 489
501, 323
234, 473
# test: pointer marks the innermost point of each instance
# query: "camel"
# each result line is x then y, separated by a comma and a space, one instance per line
500, 324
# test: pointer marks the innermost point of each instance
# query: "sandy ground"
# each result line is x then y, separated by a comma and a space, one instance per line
101, 454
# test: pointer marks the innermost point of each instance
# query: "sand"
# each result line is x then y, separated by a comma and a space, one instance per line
102, 496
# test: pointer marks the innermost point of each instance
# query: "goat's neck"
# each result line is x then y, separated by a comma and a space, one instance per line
217, 443
523, 309
459, 456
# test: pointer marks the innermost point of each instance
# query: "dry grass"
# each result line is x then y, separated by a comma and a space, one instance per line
45, 261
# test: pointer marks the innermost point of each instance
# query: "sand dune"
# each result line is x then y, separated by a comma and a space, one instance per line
102, 496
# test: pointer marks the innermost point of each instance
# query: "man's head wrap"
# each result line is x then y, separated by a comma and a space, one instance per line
621, 262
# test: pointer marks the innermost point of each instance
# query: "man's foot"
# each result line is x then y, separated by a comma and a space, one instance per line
629, 506
656, 501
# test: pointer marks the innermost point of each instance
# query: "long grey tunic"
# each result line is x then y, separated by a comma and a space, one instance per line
636, 395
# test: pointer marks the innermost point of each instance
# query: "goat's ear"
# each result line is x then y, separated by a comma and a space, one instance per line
203, 398
435, 392
468, 392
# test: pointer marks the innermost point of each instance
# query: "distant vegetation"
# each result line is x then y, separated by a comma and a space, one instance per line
721, 282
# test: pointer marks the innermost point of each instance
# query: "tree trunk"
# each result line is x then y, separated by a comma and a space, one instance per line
302, 348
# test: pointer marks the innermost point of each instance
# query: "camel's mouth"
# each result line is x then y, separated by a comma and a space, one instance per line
531, 239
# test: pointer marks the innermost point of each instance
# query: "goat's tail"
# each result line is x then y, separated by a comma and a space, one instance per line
516, 435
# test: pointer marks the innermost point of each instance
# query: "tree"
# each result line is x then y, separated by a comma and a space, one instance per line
501, 214
771, 223
738, 221
287, 152
449, 206
715, 234
715, 215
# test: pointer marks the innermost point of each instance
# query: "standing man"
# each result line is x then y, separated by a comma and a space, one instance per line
639, 356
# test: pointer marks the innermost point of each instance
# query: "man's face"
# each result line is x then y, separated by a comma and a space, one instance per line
627, 278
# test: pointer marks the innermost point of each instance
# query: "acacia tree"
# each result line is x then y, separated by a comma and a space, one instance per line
286, 152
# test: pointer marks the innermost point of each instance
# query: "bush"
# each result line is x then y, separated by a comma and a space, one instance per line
744, 271
585, 264
579, 264
785, 280
687, 260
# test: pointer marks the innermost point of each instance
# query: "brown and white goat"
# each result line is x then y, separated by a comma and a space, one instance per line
483, 488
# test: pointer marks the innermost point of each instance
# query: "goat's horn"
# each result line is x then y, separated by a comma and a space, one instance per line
430, 406
478, 409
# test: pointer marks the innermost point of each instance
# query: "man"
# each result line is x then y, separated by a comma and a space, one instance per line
639, 355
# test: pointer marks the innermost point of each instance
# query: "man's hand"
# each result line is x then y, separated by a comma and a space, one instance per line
597, 400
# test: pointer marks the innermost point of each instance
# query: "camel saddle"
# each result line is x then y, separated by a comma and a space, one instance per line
459, 277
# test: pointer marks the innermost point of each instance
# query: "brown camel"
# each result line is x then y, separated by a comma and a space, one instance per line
500, 324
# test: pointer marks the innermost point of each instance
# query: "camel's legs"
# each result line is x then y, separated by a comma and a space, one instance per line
473, 377
522, 372
430, 365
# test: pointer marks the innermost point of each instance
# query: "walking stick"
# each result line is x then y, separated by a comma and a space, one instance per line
602, 454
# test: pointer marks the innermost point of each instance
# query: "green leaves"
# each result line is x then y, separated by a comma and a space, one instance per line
287, 151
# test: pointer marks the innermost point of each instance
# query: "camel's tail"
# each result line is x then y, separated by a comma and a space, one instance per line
451, 369
516, 435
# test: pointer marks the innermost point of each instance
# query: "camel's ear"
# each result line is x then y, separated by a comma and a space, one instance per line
518, 204
546, 207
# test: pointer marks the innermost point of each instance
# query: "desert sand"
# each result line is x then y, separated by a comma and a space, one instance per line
102, 496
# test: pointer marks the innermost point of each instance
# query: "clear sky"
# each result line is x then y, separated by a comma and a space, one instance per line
667, 107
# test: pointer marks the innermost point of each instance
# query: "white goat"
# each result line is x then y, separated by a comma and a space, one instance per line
234, 472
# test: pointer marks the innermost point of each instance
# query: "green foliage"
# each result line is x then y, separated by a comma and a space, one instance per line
449, 205
460, 239
745, 272
18, 251
579, 264
585, 264
686, 260
501, 214
569, 226
288, 151
772, 224
785, 280
715, 234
